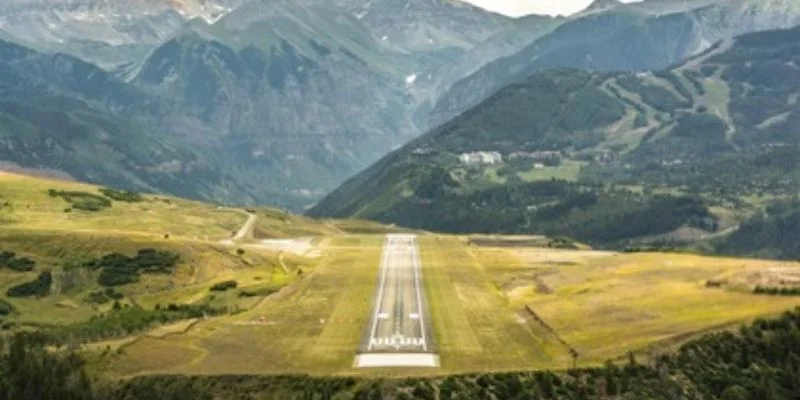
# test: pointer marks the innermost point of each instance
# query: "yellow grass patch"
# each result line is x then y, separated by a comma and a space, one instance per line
608, 305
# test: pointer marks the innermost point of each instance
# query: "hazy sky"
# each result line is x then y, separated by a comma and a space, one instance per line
524, 7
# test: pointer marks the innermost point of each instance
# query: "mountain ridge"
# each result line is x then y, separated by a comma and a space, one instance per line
634, 36
532, 157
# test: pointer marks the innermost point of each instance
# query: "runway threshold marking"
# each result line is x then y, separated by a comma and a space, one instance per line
403, 342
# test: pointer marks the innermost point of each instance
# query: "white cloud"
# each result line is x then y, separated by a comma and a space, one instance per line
525, 7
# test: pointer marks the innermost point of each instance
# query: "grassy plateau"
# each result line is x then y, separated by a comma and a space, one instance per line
293, 294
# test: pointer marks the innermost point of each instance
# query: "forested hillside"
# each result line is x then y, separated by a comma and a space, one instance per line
718, 132
760, 361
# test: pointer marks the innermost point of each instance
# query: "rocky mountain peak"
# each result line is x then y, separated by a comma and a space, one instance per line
602, 5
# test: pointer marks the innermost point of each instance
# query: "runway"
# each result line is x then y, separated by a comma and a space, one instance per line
398, 334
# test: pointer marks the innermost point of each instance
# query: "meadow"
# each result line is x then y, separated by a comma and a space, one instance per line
496, 304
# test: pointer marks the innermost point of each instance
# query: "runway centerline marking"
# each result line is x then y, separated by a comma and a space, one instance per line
398, 333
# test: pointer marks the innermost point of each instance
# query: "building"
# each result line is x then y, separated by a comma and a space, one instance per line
481, 158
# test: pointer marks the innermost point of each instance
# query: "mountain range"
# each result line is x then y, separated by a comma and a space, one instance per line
613, 36
612, 158
281, 101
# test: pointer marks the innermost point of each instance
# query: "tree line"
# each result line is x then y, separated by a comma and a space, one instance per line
759, 361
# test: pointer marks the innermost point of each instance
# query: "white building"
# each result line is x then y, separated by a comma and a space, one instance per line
481, 157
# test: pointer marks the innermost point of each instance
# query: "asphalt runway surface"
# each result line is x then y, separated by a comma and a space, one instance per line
398, 320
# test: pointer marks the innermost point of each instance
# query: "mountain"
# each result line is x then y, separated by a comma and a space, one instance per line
106, 32
638, 36
289, 99
286, 99
602, 5
682, 153
426, 28
430, 84
281, 101
279, 119
46, 124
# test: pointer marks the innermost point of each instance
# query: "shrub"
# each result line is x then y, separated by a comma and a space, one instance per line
8, 259
258, 292
82, 200
223, 286
6, 308
124, 320
777, 291
104, 296
39, 287
119, 269
122, 195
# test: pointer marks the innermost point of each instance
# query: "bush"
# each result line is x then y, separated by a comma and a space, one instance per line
122, 195
125, 320
223, 286
82, 200
104, 296
39, 287
777, 291
8, 259
263, 292
119, 269
6, 308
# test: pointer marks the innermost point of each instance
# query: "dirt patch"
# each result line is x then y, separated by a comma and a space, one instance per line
786, 276
624, 315
178, 328
542, 288
508, 241
527, 279
560, 257
298, 246
529, 312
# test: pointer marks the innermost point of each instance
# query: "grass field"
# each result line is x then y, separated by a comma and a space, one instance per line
568, 171
606, 304
31, 208
313, 326
601, 304
492, 308
34, 224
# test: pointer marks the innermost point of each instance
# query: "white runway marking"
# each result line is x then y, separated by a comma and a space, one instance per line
398, 320
379, 360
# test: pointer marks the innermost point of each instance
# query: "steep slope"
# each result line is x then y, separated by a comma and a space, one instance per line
46, 124
291, 106
431, 31
638, 36
722, 125
277, 96
434, 82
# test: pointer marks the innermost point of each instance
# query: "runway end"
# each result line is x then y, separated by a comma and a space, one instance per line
397, 360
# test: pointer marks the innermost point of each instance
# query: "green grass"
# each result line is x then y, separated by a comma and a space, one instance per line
568, 171
475, 329
202, 264
313, 326
32, 208
606, 304
602, 304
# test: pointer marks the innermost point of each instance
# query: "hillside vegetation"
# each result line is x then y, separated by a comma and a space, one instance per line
668, 157
87, 263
